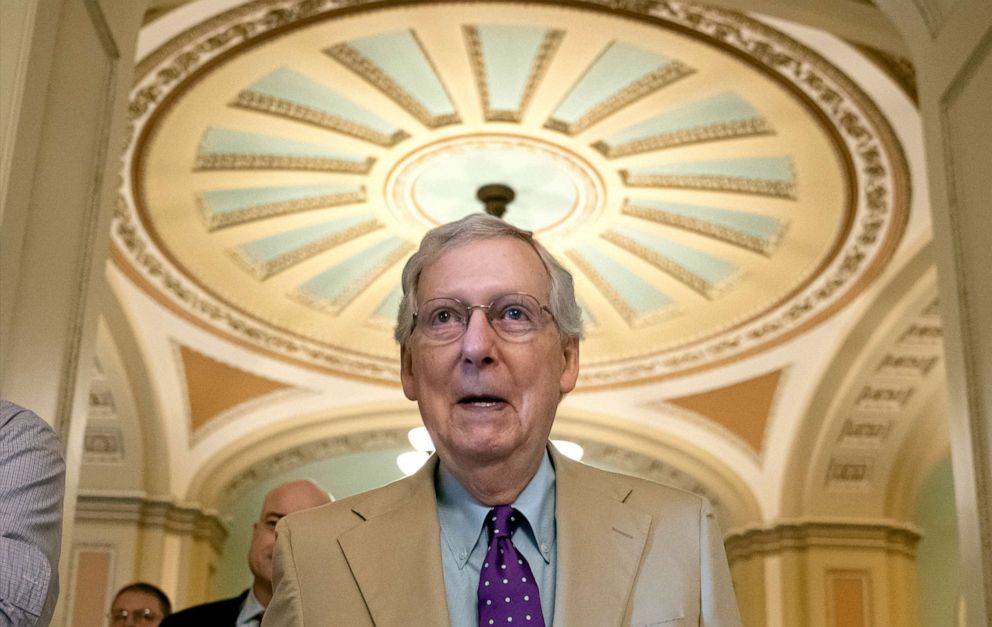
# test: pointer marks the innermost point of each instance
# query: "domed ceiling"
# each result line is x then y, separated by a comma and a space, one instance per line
714, 186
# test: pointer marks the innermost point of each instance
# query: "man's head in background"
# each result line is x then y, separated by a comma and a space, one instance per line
141, 604
284, 499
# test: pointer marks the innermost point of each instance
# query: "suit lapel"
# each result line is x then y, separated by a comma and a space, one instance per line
395, 557
600, 543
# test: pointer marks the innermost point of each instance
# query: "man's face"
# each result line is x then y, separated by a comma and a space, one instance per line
286, 499
484, 399
141, 608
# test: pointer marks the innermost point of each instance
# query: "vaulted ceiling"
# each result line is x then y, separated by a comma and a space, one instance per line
738, 198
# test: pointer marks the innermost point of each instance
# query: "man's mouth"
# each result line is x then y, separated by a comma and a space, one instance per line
481, 401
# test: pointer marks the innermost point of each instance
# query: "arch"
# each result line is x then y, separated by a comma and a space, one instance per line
832, 437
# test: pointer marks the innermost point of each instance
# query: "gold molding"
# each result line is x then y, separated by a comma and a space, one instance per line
154, 513
235, 161
760, 187
723, 233
256, 212
801, 535
263, 103
722, 130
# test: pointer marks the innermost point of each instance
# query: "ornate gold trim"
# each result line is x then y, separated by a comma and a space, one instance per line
277, 265
726, 234
801, 535
284, 108
232, 161
257, 212
761, 187
155, 513
635, 91
724, 130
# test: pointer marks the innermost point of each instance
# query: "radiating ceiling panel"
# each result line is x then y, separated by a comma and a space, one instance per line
332, 289
290, 94
396, 63
706, 273
722, 116
385, 313
269, 255
766, 176
226, 207
752, 231
637, 300
508, 62
620, 75
223, 149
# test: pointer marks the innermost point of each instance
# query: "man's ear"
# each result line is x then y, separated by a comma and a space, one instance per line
406, 374
570, 365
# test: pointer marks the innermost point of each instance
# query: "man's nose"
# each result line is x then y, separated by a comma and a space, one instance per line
479, 338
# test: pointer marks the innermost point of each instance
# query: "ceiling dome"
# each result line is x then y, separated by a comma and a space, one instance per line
714, 186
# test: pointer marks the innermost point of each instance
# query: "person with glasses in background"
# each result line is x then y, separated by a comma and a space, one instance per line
498, 528
140, 604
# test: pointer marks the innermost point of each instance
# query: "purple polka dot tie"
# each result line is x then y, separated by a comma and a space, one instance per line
508, 594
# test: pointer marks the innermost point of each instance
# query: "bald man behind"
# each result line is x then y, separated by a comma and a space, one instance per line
245, 610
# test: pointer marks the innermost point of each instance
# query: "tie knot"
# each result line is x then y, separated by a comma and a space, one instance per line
502, 521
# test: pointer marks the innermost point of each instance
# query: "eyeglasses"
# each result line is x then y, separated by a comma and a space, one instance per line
514, 317
138, 617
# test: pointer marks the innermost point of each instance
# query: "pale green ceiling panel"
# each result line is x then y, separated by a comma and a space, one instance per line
753, 231
293, 95
390, 306
721, 116
396, 63
635, 299
620, 75
223, 149
335, 287
701, 271
268, 255
508, 61
771, 176
226, 207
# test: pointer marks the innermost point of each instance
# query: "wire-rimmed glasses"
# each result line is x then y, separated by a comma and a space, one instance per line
138, 617
514, 317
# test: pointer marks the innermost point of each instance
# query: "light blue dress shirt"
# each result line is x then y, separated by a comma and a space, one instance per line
464, 541
251, 611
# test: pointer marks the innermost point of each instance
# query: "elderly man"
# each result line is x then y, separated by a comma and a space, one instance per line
497, 527
246, 609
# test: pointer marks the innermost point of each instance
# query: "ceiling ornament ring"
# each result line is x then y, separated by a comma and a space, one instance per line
877, 213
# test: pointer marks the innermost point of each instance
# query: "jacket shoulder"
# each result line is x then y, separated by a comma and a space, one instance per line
226, 611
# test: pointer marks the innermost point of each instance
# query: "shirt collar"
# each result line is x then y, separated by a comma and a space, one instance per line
461, 516
250, 609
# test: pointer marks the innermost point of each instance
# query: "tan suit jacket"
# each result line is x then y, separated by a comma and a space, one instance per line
630, 552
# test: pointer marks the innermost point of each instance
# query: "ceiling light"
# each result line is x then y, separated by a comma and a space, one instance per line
411, 461
420, 439
568, 449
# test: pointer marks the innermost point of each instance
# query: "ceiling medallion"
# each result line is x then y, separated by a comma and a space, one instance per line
554, 188
714, 186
